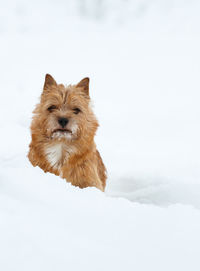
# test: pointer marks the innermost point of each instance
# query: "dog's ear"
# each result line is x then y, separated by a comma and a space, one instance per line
49, 82
84, 85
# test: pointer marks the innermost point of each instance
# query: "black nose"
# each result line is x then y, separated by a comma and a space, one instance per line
63, 122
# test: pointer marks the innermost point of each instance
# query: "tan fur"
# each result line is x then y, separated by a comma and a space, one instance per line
71, 154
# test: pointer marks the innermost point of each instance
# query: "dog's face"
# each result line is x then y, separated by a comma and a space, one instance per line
64, 113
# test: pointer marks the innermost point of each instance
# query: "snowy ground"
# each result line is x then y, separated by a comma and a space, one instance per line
143, 61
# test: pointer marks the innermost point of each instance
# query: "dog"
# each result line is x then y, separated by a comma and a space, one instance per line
62, 130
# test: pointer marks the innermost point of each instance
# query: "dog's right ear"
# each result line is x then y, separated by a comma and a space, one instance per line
49, 82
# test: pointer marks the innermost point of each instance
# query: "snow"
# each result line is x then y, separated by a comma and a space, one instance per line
46, 224
142, 58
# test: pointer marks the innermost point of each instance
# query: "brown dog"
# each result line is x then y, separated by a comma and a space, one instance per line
63, 130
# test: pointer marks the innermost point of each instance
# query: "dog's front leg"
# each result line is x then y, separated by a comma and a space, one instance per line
83, 175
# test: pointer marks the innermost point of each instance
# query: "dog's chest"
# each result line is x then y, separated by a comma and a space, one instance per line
57, 154
54, 155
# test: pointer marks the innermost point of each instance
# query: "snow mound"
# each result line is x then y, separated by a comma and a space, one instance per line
47, 224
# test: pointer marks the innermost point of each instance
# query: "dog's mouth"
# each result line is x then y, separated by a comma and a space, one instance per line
62, 131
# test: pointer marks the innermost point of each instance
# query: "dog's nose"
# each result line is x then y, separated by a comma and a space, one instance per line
63, 122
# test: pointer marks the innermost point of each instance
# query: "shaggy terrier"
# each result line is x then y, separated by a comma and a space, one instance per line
63, 130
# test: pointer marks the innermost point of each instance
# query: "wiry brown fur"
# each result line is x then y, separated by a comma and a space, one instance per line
79, 161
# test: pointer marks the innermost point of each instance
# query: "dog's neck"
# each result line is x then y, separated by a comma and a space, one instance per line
59, 152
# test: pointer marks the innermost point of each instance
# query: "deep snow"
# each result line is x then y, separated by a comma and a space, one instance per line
143, 60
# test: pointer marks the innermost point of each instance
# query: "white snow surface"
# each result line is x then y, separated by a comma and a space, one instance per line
143, 61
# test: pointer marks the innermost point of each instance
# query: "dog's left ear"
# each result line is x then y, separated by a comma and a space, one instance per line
84, 85
49, 82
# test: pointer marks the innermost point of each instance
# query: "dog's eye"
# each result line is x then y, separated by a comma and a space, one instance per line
76, 110
51, 108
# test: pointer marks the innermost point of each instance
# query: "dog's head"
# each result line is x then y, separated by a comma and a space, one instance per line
64, 112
